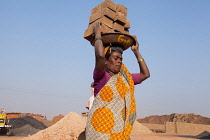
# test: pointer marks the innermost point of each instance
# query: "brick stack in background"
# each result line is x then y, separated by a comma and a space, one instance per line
112, 17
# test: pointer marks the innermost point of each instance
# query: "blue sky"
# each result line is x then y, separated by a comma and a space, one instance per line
46, 65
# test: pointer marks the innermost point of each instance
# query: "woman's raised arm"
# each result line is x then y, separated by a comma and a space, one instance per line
99, 48
144, 71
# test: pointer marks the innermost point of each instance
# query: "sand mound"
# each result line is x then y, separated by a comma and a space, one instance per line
72, 127
68, 128
138, 128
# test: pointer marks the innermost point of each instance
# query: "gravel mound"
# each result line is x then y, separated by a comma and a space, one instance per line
25, 130
19, 122
203, 135
26, 126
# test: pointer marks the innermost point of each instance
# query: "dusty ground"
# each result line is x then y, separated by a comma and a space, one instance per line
161, 137
10, 138
134, 137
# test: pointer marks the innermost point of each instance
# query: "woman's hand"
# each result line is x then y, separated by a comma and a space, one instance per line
135, 47
97, 29
142, 64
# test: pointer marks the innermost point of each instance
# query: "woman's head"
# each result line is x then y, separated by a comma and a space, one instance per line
113, 60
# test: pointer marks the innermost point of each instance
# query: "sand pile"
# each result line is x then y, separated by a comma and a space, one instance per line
138, 128
25, 126
72, 127
68, 128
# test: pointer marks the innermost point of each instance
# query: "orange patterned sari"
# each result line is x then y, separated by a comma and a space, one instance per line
114, 109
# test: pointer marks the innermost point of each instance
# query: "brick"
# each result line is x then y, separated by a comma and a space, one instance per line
120, 18
126, 31
127, 24
118, 27
106, 4
88, 34
91, 26
105, 20
94, 17
104, 12
122, 9
96, 9
109, 13
106, 29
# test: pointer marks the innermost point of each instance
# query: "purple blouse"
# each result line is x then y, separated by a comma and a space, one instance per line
101, 78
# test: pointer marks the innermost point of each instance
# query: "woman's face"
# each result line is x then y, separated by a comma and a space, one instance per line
114, 62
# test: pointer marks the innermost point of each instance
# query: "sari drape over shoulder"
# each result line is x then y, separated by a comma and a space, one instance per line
114, 109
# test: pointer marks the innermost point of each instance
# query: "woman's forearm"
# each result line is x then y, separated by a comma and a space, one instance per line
142, 66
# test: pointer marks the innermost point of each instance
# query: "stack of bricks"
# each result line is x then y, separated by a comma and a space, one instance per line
112, 18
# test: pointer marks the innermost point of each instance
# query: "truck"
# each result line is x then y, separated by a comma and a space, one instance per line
5, 128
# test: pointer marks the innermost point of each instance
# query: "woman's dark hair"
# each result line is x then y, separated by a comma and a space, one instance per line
112, 49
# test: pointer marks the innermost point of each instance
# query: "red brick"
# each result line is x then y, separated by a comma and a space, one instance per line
94, 17
120, 18
106, 29
106, 4
91, 26
88, 34
105, 20
126, 32
109, 13
96, 9
127, 24
118, 27
122, 9
104, 12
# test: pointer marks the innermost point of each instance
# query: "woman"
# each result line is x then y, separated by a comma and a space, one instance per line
114, 110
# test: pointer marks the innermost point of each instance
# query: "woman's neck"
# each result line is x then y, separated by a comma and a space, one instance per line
110, 72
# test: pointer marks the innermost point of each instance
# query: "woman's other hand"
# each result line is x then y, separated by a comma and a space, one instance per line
142, 64
135, 47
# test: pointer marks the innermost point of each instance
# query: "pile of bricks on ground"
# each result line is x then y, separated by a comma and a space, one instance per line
113, 18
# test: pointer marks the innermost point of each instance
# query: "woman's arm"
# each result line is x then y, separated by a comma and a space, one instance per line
144, 71
99, 49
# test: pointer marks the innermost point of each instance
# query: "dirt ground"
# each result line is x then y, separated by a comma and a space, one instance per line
134, 137
162, 137
10, 138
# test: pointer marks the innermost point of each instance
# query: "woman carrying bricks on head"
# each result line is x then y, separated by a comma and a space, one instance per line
114, 109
